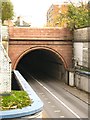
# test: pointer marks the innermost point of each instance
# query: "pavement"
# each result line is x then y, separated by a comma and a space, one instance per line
84, 96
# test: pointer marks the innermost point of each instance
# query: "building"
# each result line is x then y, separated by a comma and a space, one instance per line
53, 14
8, 23
20, 22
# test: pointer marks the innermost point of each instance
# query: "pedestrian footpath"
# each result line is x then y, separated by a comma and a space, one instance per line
84, 96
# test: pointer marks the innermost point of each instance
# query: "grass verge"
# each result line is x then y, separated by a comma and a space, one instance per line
17, 99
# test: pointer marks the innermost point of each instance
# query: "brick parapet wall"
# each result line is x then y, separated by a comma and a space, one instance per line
40, 33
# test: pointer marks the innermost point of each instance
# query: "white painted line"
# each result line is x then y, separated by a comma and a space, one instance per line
58, 99
57, 111
49, 102
61, 116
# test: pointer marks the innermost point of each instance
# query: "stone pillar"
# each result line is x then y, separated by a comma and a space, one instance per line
5, 37
5, 72
5, 68
67, 77
71, 78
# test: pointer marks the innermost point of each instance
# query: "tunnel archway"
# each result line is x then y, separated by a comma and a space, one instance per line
43, 62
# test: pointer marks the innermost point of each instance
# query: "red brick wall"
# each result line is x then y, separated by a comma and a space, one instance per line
39, 33
23, 40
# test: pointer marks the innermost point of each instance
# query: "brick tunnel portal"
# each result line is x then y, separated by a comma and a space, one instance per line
42, 63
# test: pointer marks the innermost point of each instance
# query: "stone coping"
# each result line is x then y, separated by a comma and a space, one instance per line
35, 107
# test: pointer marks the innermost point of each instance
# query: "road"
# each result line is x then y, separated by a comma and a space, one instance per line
58, 103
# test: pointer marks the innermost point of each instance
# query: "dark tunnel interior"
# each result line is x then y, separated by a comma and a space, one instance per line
42, 63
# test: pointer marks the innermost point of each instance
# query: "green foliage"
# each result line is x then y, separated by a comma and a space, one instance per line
17, 99
7, 10
77, 16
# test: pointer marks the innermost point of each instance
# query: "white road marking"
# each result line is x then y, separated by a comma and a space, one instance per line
61, 116
49, 102
58, 99
57, 111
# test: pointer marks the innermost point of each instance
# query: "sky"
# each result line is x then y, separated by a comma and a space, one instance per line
34, 11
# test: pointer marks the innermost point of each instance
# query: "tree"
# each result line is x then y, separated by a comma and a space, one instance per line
77, 16
7, 10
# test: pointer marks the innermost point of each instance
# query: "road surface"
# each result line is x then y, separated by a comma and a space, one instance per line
58, 103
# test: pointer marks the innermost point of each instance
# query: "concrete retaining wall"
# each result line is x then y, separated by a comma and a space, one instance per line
82, 34
81, 46
5, 71
31, 112
82, 82
81, 53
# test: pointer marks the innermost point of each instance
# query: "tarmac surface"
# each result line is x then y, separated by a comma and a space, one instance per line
84, 96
